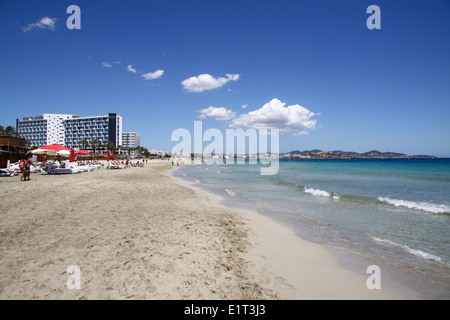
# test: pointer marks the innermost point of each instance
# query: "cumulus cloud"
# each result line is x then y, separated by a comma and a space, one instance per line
275, 115
44, 23
217, 113
153, 75
131, 69
244, 106
207, 82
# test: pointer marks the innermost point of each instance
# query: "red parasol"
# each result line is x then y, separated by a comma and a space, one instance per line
55, 147
113, 156
82, 152
72, 156
108, 157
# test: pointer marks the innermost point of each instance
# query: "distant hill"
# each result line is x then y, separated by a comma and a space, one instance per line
378, 154
339, 154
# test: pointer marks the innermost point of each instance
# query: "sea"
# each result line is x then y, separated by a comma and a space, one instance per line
394, 213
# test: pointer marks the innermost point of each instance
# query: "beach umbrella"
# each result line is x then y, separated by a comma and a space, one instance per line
113, 156
44, 152
72, 156
64, 153
82, 153
108, 157
55, 147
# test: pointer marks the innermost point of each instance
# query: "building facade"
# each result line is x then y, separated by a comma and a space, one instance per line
70, 130
131, 139
100, 128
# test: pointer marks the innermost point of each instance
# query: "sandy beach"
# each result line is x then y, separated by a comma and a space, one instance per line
141, 233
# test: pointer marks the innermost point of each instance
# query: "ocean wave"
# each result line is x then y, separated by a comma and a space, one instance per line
417, 205
231, 193
317, 192
415, 252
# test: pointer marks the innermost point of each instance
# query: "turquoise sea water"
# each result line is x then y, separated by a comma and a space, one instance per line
394, 211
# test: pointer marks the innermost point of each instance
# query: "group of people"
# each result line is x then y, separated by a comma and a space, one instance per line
128, 163
25, 167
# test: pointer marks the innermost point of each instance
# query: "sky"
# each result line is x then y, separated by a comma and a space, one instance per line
311, 69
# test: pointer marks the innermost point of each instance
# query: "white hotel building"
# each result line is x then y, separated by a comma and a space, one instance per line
131, 139
69, 130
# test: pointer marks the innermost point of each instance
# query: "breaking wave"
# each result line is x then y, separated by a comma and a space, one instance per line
417, 205
317, 192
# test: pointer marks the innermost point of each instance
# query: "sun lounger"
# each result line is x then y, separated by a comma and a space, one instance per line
7, 172
111, 165
81, 168
95, 165
52, 169
117, 166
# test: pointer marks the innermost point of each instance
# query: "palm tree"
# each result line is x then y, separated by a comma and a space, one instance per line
110, 145
85, 144
94, 143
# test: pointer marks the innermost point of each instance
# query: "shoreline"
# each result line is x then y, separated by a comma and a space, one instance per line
141, 233
411, 282
282, 251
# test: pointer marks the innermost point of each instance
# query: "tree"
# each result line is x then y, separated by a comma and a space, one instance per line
110, 145
94, 144
10, 130
85, 144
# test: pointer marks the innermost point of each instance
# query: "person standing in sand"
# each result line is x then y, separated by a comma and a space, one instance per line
22, 166
27, 165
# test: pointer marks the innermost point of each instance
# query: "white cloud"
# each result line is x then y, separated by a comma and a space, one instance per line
131, 69
153, 75
44, 23
110, 65
207, 82
217, 113
301, 133
275, 115
244, 106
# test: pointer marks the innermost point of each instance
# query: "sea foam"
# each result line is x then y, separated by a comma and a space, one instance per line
231, 193
416, 252
317, 192
416, 205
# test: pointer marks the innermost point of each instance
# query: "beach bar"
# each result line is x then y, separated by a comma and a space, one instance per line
11, 148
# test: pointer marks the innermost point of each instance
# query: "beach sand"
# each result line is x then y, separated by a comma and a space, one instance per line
141, 233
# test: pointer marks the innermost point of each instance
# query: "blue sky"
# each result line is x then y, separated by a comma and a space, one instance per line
358, 89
